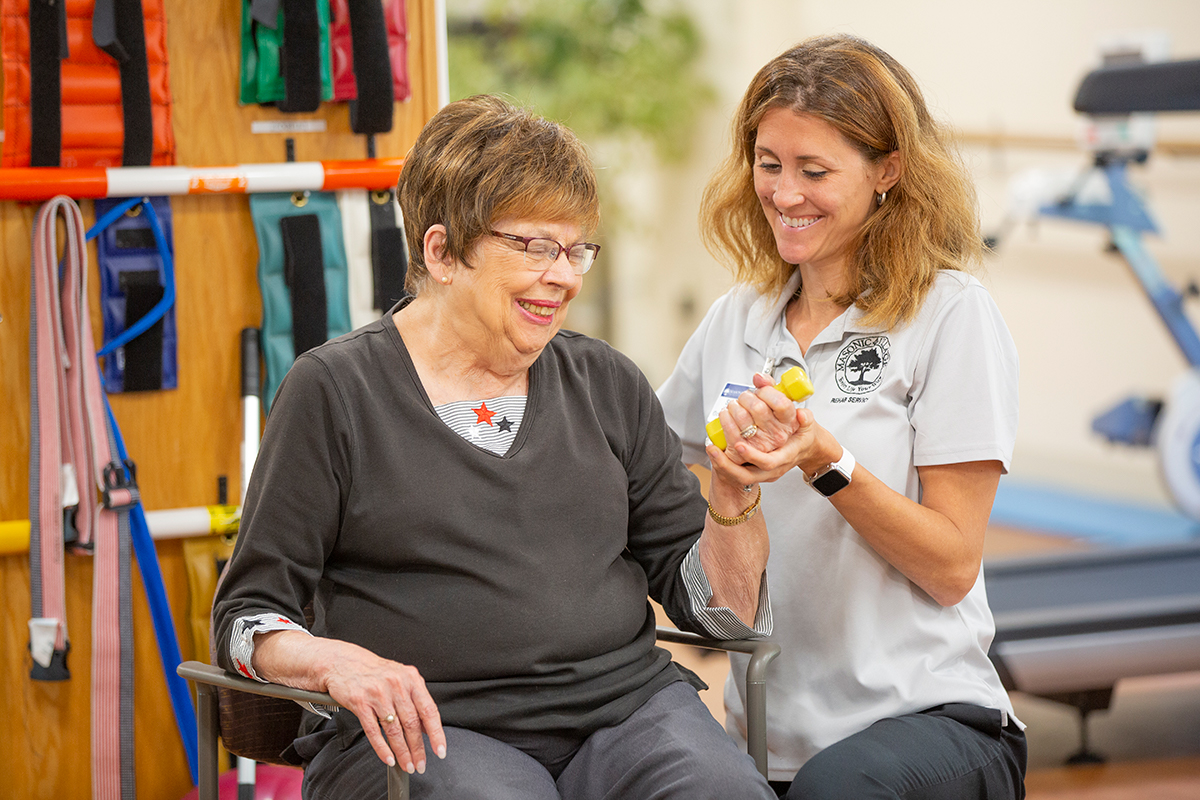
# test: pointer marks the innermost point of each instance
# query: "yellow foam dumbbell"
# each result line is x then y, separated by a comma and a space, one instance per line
794, 383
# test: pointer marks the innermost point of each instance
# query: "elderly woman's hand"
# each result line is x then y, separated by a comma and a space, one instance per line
763, 418
387, 697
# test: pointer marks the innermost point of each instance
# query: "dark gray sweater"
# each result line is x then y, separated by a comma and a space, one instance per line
516, 584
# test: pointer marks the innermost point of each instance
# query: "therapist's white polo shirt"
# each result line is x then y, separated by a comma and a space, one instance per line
859, 641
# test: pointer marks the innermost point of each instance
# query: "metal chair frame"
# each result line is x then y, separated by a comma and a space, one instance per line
207, 678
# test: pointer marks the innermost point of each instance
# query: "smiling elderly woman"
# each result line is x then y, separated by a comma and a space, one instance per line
478, 503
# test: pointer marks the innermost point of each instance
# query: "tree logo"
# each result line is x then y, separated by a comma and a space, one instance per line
860, 364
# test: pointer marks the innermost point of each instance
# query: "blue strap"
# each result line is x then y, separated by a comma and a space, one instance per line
143, 545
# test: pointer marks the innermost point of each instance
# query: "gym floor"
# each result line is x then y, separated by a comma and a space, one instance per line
1150, 734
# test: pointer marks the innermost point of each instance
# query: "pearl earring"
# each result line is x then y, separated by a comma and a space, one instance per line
445, 279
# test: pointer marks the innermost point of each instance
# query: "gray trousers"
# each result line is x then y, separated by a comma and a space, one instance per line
671, 747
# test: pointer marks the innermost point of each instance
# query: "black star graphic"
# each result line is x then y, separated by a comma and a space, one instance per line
504, 425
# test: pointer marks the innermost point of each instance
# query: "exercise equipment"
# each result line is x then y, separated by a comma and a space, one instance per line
285, 54
81, 492
1123, 90
133, 280
376, 252
1068, 627
359, 42
341, 46
302, 275
43, 183
86, 84
794, 383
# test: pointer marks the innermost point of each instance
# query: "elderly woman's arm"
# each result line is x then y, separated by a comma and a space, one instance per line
373, 688
734, 557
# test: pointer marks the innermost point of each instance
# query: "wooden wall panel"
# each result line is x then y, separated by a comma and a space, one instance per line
183, 439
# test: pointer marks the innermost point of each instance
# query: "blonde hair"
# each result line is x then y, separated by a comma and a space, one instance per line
482, 159
928, 221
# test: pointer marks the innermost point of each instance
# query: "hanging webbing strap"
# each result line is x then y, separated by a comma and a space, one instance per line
376, 253
47, 50
389, 251
304, 271
300, 56
66, 397
119, 29
371, 111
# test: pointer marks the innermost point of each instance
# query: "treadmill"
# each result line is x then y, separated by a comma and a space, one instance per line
1069, 626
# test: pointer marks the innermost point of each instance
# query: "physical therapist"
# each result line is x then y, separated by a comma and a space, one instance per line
850, 227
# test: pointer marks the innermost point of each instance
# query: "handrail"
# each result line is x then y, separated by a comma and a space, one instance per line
207, 678
762, 653
42, 183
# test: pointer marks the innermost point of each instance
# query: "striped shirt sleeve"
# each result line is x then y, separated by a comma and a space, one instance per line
721, 622
241, 648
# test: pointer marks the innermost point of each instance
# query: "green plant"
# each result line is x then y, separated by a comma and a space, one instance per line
607, 68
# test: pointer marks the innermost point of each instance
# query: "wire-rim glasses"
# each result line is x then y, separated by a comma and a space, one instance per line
581, 255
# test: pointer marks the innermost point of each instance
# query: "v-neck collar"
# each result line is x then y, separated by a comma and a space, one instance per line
532, 391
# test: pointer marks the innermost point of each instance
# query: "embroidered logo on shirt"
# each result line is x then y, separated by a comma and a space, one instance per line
860, 364
483, 414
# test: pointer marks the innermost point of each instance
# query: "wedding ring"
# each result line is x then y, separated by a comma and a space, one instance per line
390, 718
750, 431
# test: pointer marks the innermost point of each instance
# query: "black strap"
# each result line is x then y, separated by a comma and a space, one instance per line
144, 353
389, 259
300, 56
47, 49
304, 273
372, 111
119, 29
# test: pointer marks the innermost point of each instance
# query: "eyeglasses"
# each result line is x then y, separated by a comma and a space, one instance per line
581, 256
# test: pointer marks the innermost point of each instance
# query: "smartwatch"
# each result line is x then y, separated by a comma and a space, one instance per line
832, 479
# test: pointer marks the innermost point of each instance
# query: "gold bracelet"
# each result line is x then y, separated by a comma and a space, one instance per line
740, 518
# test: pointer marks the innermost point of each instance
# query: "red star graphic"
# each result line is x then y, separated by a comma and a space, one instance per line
483, 415
242, 669
284, 620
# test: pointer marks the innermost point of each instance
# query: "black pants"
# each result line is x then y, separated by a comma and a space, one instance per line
951, 752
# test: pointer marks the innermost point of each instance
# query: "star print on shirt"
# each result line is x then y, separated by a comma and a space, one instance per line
483, 415
504, 425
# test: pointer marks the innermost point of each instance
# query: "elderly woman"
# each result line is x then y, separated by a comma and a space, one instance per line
849, 224
478, 504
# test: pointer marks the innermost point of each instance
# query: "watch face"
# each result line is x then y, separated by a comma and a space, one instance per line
830, 482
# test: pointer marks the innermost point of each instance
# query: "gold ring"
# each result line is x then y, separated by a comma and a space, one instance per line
390, 718
750, 431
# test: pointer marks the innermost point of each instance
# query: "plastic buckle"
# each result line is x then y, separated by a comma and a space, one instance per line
120, 477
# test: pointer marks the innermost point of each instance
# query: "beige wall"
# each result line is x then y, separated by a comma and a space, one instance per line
1005, 71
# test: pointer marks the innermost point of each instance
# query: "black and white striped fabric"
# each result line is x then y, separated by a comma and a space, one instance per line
490, 424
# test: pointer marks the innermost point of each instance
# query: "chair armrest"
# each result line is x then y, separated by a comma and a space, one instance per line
207, 678
761, 653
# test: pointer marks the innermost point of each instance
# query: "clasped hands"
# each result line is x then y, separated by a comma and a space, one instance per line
767, 435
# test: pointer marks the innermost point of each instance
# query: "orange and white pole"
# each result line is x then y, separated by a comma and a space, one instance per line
43, 183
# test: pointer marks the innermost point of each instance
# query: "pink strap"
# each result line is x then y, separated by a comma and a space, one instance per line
70, 436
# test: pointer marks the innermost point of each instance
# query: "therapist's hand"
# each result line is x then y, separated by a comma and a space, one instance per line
786, 437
